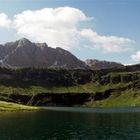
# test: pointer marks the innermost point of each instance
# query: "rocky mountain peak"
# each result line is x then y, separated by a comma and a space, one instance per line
23, 42
41, 45
24, 53
98, 64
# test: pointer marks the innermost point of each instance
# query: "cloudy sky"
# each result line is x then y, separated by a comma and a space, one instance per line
98, 29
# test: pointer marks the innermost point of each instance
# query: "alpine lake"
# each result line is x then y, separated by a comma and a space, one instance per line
71, 123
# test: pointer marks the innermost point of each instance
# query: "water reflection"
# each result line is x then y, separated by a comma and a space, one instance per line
59, 125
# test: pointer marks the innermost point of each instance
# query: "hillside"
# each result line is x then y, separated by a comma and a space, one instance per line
110, 87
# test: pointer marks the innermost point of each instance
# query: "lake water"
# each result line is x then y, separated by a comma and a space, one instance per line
74, 124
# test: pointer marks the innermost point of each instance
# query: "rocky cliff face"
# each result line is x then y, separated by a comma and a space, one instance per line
97, 65
24, 53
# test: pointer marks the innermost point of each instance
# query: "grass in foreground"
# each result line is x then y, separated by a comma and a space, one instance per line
7, 106
124, 99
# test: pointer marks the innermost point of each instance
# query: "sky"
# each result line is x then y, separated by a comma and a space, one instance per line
90, 29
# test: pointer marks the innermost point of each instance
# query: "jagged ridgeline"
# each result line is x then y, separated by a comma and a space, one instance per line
35, 86
24, 53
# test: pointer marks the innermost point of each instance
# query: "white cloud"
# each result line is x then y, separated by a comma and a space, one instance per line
129, 64
4, 21
107, 43
58, 27
136, 56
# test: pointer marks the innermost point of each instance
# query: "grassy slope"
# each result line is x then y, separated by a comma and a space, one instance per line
117, 99
124, 99
86, 88
6, 106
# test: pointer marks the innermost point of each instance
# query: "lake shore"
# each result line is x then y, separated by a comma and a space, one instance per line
8, 106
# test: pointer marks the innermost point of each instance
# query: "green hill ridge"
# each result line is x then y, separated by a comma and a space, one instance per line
62, 87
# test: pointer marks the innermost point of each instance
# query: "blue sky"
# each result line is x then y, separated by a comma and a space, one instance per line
118, 18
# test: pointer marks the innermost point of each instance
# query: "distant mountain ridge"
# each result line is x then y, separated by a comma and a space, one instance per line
95, 64
24, 53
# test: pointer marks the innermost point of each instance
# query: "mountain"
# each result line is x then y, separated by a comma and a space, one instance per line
24, 53
97, 64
